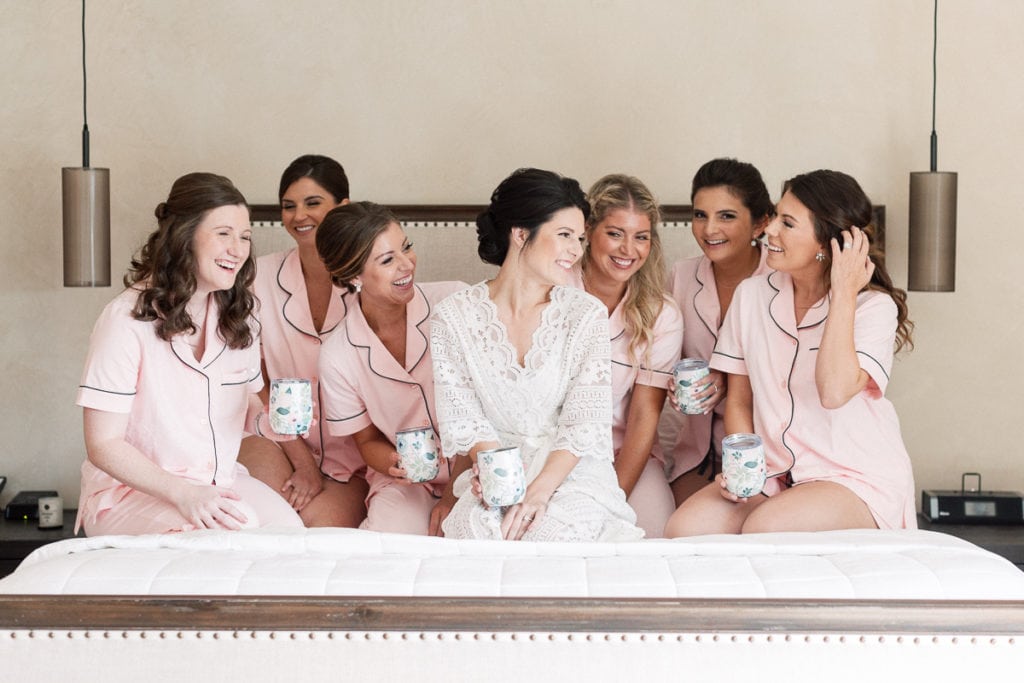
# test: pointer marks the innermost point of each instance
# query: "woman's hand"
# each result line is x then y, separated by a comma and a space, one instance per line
207, 507
520, 517
726, 493
306, 483
709, 392
851, 267
399, 473
476, 487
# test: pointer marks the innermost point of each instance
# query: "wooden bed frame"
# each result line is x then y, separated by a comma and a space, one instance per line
663, 635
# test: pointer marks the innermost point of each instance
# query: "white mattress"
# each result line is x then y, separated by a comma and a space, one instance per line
826, 565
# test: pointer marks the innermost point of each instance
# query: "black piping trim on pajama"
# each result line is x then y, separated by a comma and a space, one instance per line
209, 411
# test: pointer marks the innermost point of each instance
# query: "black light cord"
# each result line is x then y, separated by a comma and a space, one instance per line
935, 76
85, 117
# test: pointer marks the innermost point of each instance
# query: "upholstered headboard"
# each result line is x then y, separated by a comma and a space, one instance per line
445, 240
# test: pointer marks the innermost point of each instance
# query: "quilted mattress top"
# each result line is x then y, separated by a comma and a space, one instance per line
865, 564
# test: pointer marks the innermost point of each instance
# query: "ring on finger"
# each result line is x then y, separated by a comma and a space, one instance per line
847, 245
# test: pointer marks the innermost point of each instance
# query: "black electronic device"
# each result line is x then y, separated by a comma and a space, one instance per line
3, 483
25, 505
972, 505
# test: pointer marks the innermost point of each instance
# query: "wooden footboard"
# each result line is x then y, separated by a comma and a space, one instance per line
511, 615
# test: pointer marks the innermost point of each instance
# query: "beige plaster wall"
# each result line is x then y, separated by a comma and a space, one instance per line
437, 101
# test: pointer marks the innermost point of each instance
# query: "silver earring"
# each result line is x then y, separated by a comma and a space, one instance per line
819, 257
753, 242
359, 286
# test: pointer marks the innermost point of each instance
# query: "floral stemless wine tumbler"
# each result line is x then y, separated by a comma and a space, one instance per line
743, 464
688, 372
291, 405
502, 478
417, 453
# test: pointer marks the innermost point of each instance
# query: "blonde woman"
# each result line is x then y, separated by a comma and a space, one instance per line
622, 266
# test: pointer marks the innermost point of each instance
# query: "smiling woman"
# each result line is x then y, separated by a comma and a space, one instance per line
171, 375
375, 373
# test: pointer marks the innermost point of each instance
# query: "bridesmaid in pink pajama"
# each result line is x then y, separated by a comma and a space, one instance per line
731, 208
376, 372
622, 266
322, 477
808, 350
172, 376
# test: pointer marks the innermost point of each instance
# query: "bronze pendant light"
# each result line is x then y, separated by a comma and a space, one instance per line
86, 208
932, 247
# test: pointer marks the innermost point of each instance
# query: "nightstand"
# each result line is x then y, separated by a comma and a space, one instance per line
1002, 539
19, 537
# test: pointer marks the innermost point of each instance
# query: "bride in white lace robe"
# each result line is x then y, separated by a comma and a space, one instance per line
560, 399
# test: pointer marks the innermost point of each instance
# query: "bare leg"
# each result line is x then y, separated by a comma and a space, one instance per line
339, 504
265, 461
814, 506
687, 484
707, 512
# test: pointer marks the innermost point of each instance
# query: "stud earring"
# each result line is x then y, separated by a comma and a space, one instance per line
753, 242
358, 286
819, 257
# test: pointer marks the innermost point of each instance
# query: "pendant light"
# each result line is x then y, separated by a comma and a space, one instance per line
932, 247
86, 200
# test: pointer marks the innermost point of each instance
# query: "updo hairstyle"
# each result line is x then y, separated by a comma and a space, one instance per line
526, 199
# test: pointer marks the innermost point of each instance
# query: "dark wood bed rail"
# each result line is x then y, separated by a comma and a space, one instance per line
301, 613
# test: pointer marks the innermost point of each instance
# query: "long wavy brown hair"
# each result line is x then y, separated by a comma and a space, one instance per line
164, 271
837, 202
646, 294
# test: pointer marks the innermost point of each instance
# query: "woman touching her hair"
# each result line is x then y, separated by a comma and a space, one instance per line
172, 376
622, 267
808, 350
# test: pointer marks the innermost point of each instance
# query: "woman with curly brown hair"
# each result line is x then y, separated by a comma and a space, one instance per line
172, 376
808, 349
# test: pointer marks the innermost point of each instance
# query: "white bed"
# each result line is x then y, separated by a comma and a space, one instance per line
345, 604
256, 603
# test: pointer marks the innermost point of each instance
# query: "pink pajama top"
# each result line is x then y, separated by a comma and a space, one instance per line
291, 348
655, 370
692, 284
859, 444
363, 384
187, 416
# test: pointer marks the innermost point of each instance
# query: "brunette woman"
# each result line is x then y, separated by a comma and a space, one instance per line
808, 350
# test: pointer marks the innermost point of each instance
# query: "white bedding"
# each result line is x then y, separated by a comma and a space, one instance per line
831, 565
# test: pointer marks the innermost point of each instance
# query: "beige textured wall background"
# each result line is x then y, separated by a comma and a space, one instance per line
437, 101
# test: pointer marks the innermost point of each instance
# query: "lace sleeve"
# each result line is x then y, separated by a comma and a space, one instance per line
585, 423
460, 415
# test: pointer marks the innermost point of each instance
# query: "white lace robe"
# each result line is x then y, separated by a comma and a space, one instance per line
559, 399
